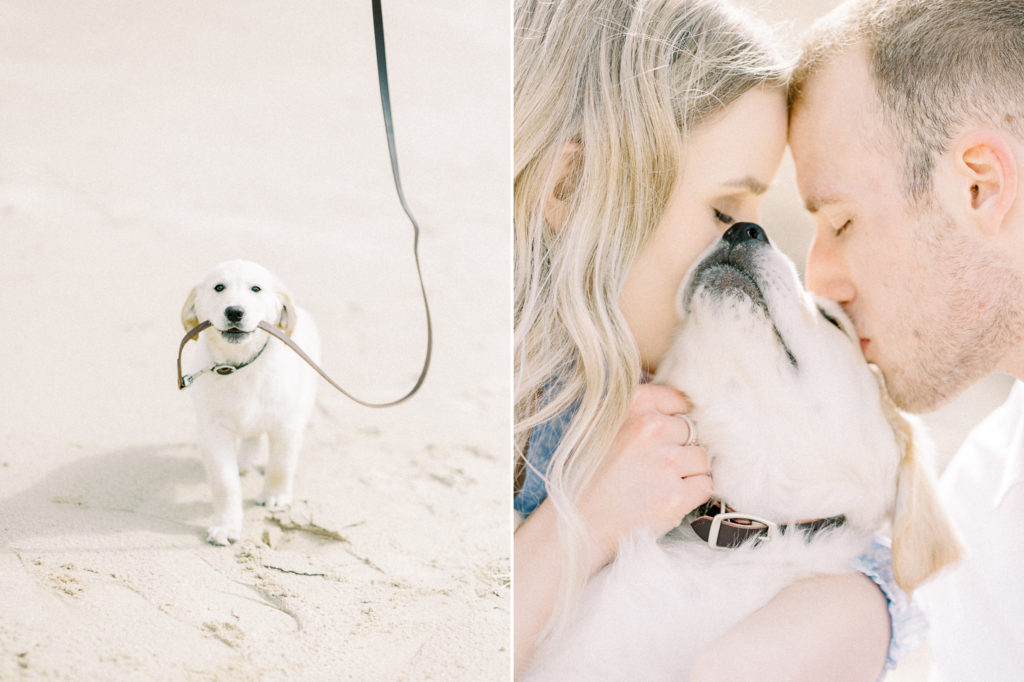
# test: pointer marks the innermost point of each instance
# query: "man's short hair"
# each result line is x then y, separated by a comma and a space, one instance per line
937, 65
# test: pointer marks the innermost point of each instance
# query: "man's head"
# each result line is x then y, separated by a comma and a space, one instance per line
907, 130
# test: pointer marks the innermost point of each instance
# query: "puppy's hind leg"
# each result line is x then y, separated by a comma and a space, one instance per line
218, 445
280, 471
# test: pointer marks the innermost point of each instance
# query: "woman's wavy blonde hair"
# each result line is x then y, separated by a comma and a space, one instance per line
621, 82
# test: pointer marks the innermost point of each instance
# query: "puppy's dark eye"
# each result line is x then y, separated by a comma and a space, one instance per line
832, 320
219, 287
256, 288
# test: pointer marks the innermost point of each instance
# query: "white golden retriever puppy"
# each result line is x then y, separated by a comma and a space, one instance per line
797, 429
248, 384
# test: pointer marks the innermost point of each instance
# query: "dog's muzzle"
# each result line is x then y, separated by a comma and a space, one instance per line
732, 264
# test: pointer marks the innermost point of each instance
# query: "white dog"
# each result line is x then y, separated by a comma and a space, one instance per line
798, 429
248, 384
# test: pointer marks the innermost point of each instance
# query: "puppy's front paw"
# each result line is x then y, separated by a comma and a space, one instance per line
277, 501
223, 534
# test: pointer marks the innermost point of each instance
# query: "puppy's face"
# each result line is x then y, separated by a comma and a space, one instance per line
786, 406
236, 296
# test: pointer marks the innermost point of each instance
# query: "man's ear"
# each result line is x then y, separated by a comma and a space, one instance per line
986, 171
562, 179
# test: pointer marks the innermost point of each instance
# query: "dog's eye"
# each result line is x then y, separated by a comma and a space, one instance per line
256, 288
833, 320
219, 287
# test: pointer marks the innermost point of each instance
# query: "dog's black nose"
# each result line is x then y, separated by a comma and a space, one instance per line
234, 313
745, 232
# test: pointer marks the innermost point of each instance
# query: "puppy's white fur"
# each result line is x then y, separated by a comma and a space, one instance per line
274, 395
797, 427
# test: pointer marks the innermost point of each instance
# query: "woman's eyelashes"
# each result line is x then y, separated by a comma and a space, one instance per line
723, 218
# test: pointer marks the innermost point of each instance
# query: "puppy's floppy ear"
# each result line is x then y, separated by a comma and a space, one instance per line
189, 319
286, 322
923, 538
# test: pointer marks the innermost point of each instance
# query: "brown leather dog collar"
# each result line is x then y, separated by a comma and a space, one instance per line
721, 527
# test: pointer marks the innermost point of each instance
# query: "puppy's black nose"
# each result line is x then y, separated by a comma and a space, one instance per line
234, 313
745, 232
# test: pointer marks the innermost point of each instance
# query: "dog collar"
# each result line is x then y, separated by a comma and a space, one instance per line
222, 369
722, 528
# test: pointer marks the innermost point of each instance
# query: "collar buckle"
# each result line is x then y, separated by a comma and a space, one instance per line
769, 528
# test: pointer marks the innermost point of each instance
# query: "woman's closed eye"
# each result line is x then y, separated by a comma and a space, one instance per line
842, 228
723, 218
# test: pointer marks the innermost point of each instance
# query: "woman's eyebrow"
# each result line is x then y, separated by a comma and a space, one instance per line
748, 183
813, 204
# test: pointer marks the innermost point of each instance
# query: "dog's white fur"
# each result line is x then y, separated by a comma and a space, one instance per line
796, 426
274, 395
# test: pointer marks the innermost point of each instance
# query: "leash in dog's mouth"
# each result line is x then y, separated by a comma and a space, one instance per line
221, 368
224, 369
723, 528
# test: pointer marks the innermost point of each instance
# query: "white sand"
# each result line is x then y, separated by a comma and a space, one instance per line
140, 144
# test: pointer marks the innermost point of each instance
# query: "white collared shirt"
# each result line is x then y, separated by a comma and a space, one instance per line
975, 609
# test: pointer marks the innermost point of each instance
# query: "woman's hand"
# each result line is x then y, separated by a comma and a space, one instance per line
649, 479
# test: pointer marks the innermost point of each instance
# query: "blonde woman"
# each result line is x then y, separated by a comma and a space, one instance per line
643, 129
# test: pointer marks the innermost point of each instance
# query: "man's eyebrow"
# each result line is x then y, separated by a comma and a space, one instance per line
748, 183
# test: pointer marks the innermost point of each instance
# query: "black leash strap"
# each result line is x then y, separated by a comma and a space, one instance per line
385, 100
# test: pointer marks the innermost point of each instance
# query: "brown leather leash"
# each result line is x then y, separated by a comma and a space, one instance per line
184, 381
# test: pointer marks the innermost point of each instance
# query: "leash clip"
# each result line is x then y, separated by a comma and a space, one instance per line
716, 525
186, 381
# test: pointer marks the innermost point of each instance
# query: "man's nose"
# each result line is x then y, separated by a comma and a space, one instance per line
826, 273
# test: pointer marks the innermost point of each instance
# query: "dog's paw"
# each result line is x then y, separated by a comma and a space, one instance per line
277, 501
223, 534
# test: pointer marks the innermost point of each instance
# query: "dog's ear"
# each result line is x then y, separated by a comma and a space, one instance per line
289, 315
923, 538
189, 319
